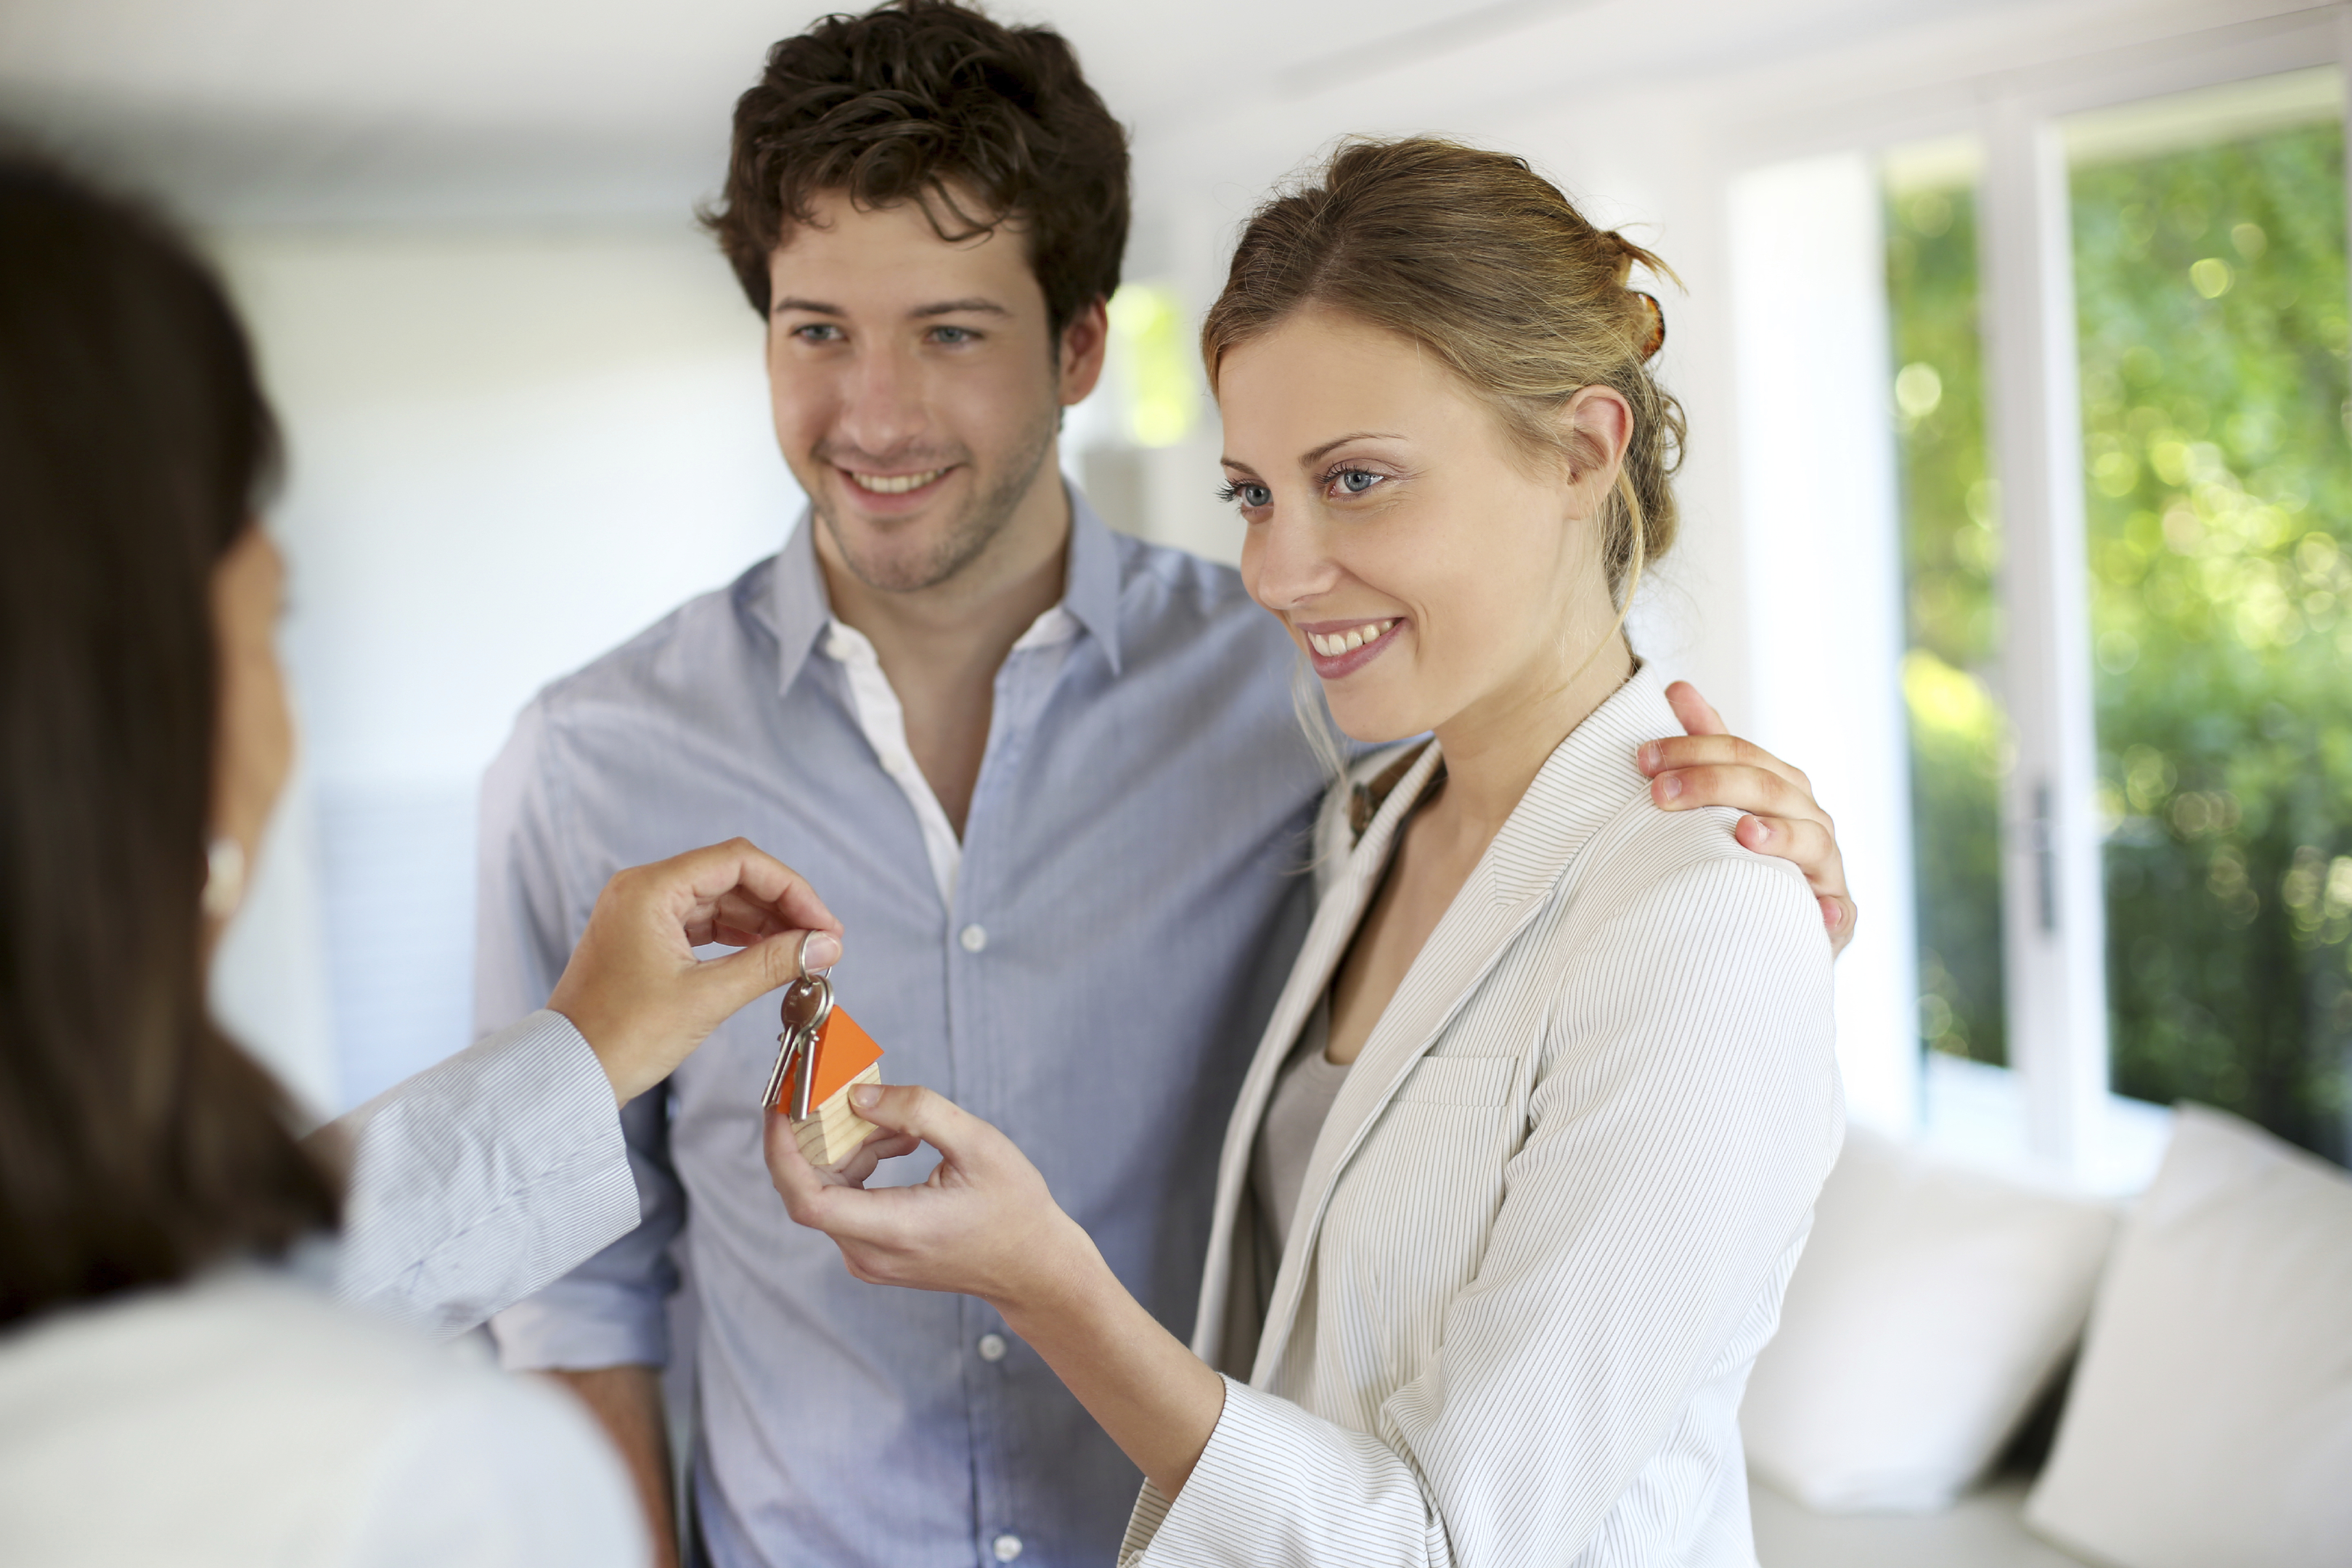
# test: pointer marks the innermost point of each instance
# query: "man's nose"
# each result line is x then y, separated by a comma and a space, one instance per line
882, 408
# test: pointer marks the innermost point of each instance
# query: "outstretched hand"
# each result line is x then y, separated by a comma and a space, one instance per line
1710, 766
635, 989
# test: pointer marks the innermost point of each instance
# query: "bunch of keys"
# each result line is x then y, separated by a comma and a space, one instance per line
808, 1004
821, 1056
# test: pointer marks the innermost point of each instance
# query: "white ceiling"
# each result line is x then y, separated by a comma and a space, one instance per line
293, 110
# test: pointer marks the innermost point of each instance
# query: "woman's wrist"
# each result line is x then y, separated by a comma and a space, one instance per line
1063, 1278
1156, 1399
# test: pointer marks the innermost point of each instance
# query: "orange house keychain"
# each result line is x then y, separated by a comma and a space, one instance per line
821, 1056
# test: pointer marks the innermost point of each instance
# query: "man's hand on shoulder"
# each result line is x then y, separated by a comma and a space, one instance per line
635, 989
1709, 767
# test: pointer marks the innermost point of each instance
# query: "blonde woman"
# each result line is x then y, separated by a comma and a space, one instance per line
1530, 1144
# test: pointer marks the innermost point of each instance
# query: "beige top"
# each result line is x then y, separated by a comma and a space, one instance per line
1294, 1120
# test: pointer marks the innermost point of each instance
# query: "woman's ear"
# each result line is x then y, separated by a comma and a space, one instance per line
1598, 426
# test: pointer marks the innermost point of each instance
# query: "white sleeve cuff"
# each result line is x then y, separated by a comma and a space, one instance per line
1276, 1485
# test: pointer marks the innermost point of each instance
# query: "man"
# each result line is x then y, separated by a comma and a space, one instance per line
1048, 778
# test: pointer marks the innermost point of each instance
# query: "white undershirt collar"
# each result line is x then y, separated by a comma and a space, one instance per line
883, 721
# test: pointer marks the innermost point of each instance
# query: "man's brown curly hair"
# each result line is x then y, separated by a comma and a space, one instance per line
932, 102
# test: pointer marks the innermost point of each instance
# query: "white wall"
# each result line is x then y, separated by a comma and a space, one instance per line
1824, 579
509, 450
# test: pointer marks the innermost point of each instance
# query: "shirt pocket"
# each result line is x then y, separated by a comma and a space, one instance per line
1480, 1082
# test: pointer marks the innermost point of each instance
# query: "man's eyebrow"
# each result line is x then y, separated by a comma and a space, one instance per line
814, 307
961, 307
1311, 458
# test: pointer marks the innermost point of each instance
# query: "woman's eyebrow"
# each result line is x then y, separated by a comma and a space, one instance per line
1311, 458
1238, 466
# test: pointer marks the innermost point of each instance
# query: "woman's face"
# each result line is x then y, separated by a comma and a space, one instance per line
253, 748
1429, 570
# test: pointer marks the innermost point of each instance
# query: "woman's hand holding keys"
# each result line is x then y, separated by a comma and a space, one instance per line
984, 1224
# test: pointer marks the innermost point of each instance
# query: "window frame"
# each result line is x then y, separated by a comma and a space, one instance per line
2053, 899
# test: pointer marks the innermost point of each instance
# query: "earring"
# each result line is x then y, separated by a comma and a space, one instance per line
224, 877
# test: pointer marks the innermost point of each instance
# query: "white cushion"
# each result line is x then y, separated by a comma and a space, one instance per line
2211, 1421
1932, 1304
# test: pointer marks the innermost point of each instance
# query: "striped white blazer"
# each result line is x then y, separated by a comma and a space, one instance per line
1547, 1226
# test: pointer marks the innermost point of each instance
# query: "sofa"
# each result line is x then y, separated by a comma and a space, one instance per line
1977, 1368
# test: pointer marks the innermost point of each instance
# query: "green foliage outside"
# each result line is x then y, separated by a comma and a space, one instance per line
1951, 546
2211, 293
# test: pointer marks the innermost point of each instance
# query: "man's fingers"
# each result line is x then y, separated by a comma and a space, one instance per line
1806, 843
1677, 751
1838, 916
1741, 788
1697, 714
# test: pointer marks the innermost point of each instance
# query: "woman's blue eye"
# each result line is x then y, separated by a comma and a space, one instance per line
1248, 496
1356, 481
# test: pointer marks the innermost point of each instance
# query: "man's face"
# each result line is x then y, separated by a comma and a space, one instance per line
917, 386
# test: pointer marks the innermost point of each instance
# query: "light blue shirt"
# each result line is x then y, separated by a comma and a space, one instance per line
1129, 897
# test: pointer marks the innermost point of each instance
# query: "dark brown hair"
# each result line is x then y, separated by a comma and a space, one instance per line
931, 103
136, 1144
1487, 265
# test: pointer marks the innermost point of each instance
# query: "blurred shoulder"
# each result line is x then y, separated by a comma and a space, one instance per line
1164, 590
260, 1418
712, 636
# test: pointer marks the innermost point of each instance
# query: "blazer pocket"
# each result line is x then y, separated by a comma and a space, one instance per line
1482, 1082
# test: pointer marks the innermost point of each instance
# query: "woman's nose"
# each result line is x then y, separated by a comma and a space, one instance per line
1292, 560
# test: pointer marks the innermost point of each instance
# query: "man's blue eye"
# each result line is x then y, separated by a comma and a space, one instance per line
1356, 481
952, 334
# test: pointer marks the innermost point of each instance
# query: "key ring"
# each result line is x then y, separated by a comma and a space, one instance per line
806, 972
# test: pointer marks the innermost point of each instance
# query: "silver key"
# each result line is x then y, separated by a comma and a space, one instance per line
807, 1002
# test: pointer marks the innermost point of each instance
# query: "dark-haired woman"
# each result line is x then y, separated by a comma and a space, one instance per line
176, 1385
1531, 1142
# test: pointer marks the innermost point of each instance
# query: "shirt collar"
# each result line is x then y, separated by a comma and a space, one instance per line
797, 607
1091, 595
800, 613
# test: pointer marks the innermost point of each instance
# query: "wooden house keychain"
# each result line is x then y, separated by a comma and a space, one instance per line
821, 1056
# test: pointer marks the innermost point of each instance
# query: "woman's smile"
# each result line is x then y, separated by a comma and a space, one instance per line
1340, 648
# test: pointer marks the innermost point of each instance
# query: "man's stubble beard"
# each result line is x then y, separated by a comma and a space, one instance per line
966, 538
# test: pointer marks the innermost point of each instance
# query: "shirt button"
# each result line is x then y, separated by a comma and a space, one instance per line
1006, 1547
975, 938
992, 1347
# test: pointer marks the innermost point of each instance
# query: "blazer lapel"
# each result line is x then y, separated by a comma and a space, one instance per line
1333, 926
1588, 780
1471, 938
